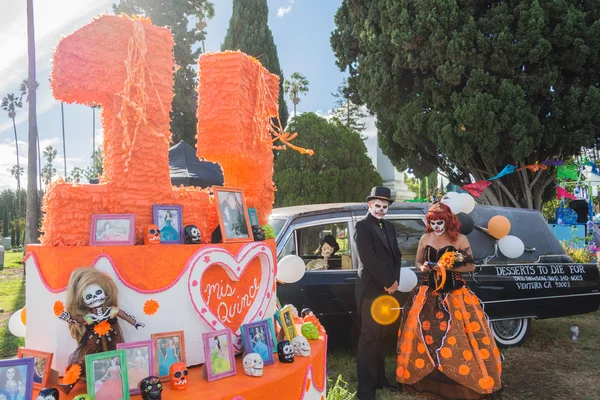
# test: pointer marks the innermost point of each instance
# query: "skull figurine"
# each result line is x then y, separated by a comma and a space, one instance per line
253, 364
192, 234
310, 331
301, 346
285, 351
48, 394
94, 296
151, 388
82, 397
151, 235
178, 373
305, 312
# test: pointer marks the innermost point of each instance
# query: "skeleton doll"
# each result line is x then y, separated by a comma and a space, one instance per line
301, 346
179, 374
151, 388
253, 364
285, 351
192, 234
48, 394
92, 313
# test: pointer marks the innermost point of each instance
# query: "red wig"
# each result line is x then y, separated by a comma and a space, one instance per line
441, 212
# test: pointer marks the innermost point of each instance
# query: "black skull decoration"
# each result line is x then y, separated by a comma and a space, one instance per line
258, 233
192, 234
151, 388
285, 351
48, 394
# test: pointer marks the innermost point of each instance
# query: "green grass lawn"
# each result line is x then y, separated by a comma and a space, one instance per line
12, 298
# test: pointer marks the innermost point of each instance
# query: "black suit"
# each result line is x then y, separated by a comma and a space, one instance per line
379, 268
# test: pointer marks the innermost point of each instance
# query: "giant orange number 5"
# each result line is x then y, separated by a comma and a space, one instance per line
126, 65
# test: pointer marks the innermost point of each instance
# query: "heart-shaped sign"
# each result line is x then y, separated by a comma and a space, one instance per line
228, 291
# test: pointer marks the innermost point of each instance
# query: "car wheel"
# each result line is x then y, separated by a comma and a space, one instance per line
510, 332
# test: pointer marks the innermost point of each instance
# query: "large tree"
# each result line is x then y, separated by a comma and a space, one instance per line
339, 171
249, 32
187, 20
346, 108
10, 103
467, 87
296, 86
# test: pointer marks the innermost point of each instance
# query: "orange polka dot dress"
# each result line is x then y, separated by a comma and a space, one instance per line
445, 346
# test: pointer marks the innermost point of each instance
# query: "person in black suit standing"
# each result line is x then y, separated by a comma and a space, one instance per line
378, 274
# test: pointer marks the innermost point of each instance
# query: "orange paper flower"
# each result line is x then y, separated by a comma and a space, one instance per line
151, 307
72, 374
59, 307
102, 328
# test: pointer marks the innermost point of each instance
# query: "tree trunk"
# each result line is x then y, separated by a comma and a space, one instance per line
18, 169
39, 157
62, 114
31, 228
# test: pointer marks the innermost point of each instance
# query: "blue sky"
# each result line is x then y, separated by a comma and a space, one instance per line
302, 48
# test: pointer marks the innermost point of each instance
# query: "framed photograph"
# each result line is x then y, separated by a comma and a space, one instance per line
286, 319
233, 218
140, 362
253, 215
41, 365
170, 223
16, 378
219, 360
273, 334
112, 230
169, 348
106, 375
257, 339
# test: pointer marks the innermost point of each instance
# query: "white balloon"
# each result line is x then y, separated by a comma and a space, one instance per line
15, 325
511, 246
467, 202
454, 201
290, 269
408, 280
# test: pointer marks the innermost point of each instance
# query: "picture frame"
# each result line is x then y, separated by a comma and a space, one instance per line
233, 217
273, 334
169, 219
22, 373
140, 362
169, 348
253, 216
257, 338
41, 365
219, 359
106, 375
112, 230
286, 319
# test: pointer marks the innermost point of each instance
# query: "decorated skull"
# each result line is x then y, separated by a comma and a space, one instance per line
48, 394
253, 364
94, 296
192, 234
310, 331
82, 397
151, 388
285, 351
151, 234
301, 346
258, 233
305, 312
178, 373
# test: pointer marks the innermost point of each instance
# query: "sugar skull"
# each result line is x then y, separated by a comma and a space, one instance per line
151, 388
179, 374
285, 351
301, 346
82, 397
253, 364
192, 234
305, 312
309, 331
151, 234
93, 296
48, 394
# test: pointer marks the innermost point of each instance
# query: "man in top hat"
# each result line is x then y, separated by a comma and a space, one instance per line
378, 274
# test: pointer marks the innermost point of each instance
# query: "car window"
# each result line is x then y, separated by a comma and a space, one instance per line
277, 224
309, 241
408, 234
289, 248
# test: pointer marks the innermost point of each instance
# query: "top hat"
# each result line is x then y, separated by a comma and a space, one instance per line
381, 193
330, 240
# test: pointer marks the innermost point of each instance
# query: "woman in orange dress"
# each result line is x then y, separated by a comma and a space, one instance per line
445, 346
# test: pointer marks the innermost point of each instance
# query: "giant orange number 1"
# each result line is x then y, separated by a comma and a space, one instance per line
126, 65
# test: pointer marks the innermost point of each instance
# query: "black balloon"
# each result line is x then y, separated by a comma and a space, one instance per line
466, 223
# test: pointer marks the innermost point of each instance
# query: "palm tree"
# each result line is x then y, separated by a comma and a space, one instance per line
296, 86
24, 89
10, 103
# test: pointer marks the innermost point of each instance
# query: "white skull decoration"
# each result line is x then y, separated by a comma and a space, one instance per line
94, 296
253, 364
301, 346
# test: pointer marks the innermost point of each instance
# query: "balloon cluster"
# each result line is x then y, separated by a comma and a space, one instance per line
510, 246
461, 204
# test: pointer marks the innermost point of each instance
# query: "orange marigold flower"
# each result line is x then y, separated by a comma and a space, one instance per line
420, 363
485, 354
426, 325
421, 348
467, 355
475, 327
428, 339
446, 352
439, 315
151, 307
102, 328
486, 340
464, 370
486, 382
72, 374
451, 340
443, 326
59, 307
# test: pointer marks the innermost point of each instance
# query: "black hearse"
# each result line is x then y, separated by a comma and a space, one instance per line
543, 283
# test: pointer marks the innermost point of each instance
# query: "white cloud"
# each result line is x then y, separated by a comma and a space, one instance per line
281, 11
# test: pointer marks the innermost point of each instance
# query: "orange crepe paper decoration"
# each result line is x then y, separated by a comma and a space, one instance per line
151, 307
59, 307
102, 328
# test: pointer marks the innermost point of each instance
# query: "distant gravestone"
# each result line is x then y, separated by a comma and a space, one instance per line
6, 243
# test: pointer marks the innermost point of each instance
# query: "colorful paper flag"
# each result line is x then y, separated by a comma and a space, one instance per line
563, 194
567, 172
475, 189
508, 169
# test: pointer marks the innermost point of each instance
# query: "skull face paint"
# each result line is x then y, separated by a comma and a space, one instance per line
285, 351
438, 226
94, 296
378, 208
253, 364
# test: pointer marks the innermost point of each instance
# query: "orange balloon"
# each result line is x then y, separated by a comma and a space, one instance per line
385, 310
499, 226
24, 316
